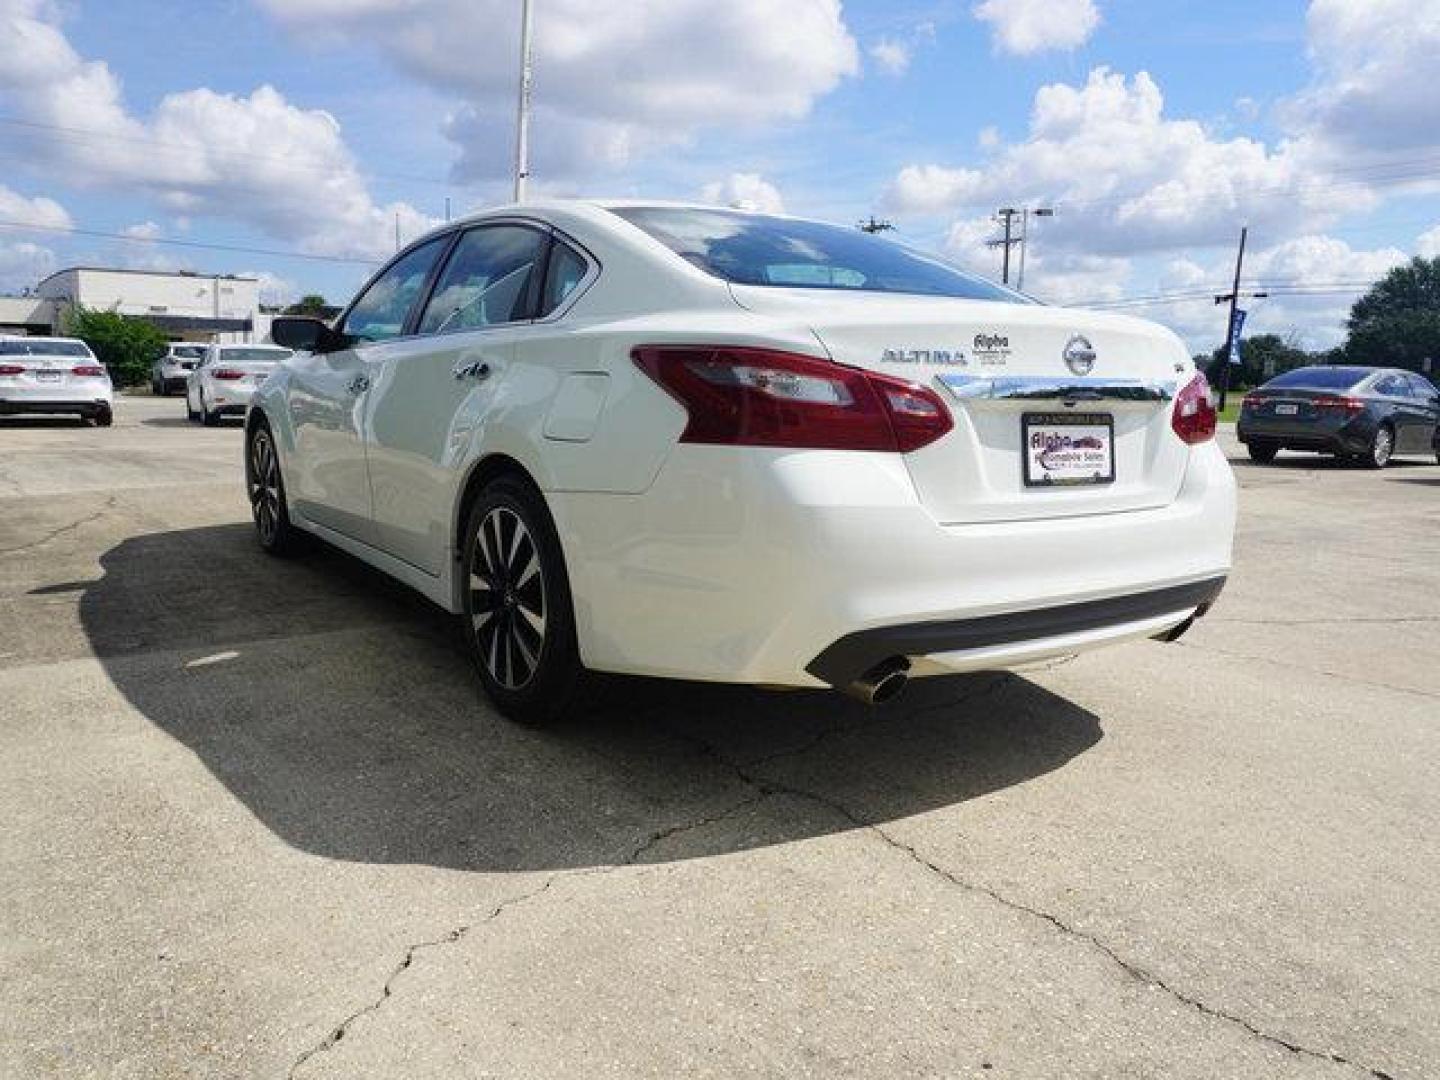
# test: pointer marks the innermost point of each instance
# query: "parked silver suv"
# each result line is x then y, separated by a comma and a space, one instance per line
171, 371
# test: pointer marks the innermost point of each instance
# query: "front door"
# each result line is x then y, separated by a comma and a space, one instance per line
329, 392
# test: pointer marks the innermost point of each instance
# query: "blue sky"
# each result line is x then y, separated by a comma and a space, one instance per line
1155, 129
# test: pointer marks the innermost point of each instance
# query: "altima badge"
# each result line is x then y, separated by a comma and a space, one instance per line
943, 357
1079, 355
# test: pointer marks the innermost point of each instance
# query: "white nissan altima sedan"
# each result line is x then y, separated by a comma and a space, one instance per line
685, 441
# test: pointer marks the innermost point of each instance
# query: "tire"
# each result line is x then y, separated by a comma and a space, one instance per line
190, 414
1262, 453
1381, 449
207, 416
265, 488
519, 618
103, 417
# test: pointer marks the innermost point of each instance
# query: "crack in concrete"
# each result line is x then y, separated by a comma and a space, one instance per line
62, 530
340, 1030
1392, 620
1327, 672
770, 786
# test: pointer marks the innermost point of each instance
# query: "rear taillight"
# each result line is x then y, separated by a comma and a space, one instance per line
11, 369
742, 396
227, 374
87, 369
1344, 404
1195, 418
1251, 401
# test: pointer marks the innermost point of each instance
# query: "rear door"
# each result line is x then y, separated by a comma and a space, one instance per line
328, 393
432, 393
1427, 405
1024, 383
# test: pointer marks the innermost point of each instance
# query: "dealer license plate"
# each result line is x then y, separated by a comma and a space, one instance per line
1287, 410
48, 376
1068, 449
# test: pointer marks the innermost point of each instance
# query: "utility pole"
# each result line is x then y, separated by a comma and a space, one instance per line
1007, 217
522, 120
873, 225
1232, 330
447, 209
397, 230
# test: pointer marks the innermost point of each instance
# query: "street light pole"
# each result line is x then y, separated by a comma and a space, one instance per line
522, 120
1025, 240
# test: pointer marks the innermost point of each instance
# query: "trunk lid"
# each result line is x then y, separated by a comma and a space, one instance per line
1002, 371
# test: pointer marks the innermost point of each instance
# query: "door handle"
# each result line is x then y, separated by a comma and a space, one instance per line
359, 384
472, 369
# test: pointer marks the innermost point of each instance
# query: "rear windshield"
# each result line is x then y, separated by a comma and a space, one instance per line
1322, 378
253, 356
43, 348
756, 249
187, 352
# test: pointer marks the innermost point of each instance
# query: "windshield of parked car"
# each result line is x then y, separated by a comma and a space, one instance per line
758, 249
253, 356
43, 348
187, 352
1321, 378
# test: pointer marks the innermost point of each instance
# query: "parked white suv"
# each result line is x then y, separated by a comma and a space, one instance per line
172, 371
702, 443
54, 375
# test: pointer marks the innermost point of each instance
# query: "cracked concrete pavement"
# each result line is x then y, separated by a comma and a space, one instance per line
255, 820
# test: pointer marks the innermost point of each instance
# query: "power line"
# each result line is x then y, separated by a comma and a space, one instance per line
21, 226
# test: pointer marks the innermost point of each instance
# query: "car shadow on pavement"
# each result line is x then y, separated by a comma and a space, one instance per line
42, 422
168, 421
341, 710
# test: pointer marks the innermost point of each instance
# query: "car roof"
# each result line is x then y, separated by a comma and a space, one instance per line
40, 337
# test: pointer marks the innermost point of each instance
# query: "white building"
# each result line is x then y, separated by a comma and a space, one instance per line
185, 306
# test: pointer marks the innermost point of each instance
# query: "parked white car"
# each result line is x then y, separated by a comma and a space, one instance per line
708, 444
54, 375
226, 378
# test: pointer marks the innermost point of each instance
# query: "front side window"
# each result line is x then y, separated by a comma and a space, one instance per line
382, 309
253, 356
757, 249
486, 281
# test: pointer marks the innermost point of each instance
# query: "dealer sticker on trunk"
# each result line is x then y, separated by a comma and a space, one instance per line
1068, 449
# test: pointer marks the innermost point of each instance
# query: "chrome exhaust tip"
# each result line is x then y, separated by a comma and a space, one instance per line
882, 683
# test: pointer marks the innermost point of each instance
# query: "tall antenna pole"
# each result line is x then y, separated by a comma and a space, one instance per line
522, 120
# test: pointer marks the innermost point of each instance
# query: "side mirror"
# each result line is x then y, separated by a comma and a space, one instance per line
304, 333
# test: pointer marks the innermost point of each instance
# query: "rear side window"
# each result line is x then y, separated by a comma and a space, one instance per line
757, 249
383, 307
486, 280
567, 269
1393, 386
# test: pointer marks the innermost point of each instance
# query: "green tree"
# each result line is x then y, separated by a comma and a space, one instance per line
1262, 358
1397, 323
128, 347
309, 304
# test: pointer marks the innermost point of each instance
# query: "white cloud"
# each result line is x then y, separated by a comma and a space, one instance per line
274, 289
749, 191
1024, 27
254, 158
1126, 178
1428, 246
22, 264
1375, 63
892, 56
145, 230
654, 76
22, 210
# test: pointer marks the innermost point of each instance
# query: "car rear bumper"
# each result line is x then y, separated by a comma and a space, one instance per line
1340, 437
86, 405
753, 566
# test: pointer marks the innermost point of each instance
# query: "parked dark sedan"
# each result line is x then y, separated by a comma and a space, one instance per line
1360, 413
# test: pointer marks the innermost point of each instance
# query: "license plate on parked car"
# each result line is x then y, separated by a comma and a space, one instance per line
1287, 410
1068, 449
48, 376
